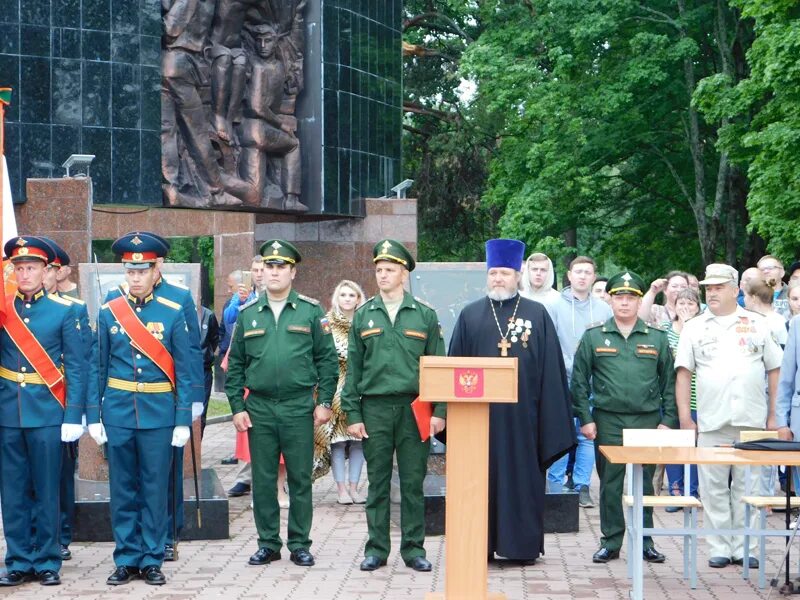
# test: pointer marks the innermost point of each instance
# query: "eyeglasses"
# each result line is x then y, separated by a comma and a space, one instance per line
769, 267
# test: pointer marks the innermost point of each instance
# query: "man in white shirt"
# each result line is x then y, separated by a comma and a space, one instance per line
731, 351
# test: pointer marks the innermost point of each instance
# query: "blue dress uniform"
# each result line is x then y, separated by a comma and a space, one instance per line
139, 410
30, 425
180, 295
70, 449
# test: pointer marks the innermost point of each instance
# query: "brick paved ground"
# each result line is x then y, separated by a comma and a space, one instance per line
218, 569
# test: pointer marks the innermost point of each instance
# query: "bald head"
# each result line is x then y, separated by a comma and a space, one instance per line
749, 275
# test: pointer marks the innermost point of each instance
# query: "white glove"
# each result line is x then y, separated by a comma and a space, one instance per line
197, 410
180, 435
98, 433
71, 432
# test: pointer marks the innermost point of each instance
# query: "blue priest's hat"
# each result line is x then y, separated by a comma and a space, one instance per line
505, 253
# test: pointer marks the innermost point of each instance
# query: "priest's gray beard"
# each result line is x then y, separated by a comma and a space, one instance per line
500, 295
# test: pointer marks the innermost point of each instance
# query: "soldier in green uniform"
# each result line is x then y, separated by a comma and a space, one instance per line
625, 366
282, 349
389, 334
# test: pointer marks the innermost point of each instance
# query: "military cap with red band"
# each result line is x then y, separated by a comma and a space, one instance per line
28, 247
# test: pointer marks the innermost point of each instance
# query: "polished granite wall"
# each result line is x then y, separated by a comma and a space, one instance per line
86, 79
362, 99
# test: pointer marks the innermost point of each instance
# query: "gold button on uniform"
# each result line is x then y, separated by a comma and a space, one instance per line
138, 370
24, 369
140, 387
22, 384
20, 377
26, 320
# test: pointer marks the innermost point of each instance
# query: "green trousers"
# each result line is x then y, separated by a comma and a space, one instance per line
285, 426
612, 476
391, 427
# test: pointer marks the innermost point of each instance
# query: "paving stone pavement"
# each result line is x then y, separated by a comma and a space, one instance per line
219, 569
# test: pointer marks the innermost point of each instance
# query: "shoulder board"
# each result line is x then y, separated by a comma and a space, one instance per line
308, 299
595, 324
59, 299
248, 303
73, 300
170, 303
366, 302
656, 326
423, 302
178, 285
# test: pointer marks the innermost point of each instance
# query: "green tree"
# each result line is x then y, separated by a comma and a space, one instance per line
768, 144
601, 148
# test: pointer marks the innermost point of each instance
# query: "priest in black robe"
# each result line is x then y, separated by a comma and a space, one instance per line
524, 438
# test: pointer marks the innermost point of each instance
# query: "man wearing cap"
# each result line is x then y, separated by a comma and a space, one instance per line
70, 449
625, 366
40, 349
144, 397
151, 244
732, 353
527, 437
282, 351
389, 334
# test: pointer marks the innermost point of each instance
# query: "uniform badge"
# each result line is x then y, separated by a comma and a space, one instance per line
275, 246
607, 342
386, 246
371, 323
136, 240
114, 329
255, 323
326, 325
156, 328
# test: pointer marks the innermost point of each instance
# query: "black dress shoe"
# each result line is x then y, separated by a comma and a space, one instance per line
232, 460
302, 558
264, 556
752, 562
122, 575
604, 555
15, 578
370, 563
48, 577
419, 563
652, 555
152, 575
718, 562
65, 552
170, 553
239, 489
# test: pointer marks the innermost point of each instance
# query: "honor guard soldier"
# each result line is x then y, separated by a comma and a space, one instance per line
182, 296
626, 366
144, 396
390, 333
42, 391
70, 449
282, 349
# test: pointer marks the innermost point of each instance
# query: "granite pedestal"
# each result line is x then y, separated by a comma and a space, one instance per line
93, 511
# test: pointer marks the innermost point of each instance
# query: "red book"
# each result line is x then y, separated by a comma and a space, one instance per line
423, 411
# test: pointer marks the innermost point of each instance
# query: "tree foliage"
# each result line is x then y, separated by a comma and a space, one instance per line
651, 134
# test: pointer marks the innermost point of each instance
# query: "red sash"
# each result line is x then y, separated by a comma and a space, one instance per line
141, 338
32, 350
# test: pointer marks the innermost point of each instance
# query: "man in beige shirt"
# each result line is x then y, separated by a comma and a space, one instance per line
732, 352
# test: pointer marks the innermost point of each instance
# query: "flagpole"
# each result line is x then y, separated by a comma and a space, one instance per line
5, 99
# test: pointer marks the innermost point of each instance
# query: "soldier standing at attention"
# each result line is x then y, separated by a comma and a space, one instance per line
144, 396
390, 333
182, 296
70, 449
282, 349
41, 349
626, 365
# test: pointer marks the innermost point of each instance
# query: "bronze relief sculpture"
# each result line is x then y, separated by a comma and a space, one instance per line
231, 74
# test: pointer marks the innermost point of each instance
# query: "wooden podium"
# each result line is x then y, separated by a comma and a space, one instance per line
468, 386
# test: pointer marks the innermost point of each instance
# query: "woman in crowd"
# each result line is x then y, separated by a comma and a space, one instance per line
758, 296
687, 305
672, 283
794, 300
331, 442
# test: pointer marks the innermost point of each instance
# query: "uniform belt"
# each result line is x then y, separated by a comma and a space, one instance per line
139, 386
34, 377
